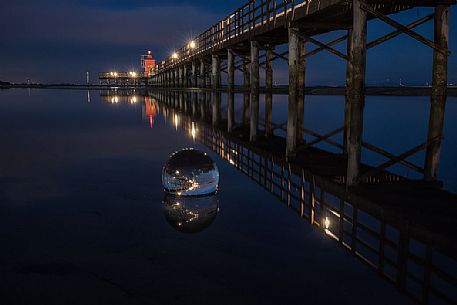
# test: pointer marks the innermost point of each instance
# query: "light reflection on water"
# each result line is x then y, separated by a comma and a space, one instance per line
81, 210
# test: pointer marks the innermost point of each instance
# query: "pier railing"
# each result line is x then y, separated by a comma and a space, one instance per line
240, 22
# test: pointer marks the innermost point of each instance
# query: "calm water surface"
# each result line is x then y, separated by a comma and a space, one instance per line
82, 221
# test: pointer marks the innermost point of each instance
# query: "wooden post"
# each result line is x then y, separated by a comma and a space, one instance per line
202, 74
216, 72
246, 89
356, 96
254, 91
439, 92
230, 90
180, 77
172, 78
184, 77
269, 94
194, 74
295, 82
347, 109
176, 78
301, 92
208, 76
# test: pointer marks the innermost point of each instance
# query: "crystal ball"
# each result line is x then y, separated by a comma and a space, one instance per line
190, 172
190, 214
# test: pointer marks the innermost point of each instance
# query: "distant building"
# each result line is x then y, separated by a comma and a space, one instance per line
148, 63
130, 78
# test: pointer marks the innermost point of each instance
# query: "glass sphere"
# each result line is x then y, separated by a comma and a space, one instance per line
190, 214
189, 172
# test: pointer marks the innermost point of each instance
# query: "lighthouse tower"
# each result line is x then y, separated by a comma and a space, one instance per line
148, 64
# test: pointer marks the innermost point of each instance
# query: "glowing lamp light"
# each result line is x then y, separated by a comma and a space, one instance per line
176, 121
192, 44
174, 55
193, 131
326, 223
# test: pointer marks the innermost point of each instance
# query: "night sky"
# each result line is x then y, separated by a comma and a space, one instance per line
58, 41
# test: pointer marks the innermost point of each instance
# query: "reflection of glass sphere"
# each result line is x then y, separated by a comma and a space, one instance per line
190, 214
190, 172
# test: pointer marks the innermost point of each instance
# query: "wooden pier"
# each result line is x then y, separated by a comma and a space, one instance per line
246, 39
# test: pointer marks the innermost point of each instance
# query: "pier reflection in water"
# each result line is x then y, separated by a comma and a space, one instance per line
420, 262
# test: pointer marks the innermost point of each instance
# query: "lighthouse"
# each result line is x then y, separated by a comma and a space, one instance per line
148, 64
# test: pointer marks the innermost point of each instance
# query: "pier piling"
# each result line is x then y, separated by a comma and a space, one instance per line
438, 98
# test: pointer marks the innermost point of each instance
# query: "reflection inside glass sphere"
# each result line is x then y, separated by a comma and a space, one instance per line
190, 214
190, 172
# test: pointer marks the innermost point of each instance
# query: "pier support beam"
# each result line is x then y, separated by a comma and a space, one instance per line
246, 89
254, 91
208, 76
296, 67
301, 93
347, 109
216, 83
202, 80
356, 91
230, 90
180, 76
439, 91
216, 72
185, 79
194, 74
269, 94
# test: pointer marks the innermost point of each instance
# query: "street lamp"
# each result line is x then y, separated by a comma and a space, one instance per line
174, 55
192, 44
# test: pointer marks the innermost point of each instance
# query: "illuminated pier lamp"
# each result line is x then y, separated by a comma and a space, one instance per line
192, 45
174, 55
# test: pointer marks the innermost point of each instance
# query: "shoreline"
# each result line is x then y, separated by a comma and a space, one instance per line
312, 90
